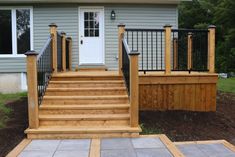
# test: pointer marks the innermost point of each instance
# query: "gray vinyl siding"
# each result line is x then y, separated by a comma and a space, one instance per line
155, 16
12, 64
66, 17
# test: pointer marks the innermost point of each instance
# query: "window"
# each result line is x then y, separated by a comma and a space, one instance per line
15, 31
91, 23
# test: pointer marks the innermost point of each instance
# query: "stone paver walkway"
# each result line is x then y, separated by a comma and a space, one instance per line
144, 146
206, 150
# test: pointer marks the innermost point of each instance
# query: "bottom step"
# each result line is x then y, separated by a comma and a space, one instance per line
75, 133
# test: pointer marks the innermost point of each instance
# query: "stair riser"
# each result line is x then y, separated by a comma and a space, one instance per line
86, 93
84, 78
82, 111
79, 135
86, 101
82, 123
84, 85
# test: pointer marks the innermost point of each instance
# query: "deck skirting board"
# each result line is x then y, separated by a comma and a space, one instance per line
178, 92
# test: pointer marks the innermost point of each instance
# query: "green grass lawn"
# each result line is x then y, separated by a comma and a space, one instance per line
227, 85
4, 110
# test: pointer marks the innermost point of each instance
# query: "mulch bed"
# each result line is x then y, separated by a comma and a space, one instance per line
13, 134
189, 126
177, 125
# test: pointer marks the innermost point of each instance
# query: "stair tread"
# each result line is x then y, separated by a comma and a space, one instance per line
90, 81
83, 129
84, 116
87, 97
85, 89
96, 106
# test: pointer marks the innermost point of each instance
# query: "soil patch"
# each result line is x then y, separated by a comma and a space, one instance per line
189, 126
13, 133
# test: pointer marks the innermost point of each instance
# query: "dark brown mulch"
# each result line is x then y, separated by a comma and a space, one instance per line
13, 133
177, 125
188, 126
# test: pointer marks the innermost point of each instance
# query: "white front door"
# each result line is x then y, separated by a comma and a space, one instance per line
91, 36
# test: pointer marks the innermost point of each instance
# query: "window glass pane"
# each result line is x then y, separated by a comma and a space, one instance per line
23, 30
91, 32
5, 32
97, 33
86, 24
86, 15
91, 24
86, 33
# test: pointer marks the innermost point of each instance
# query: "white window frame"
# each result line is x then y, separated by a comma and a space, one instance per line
14, 30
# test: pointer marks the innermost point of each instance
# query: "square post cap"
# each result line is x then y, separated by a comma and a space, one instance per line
62, 33
132, 53
30, 53
167, 25
53, 25
190, 33
211, 26
121, 25
69, 38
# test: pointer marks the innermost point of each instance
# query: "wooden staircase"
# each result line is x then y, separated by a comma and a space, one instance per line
84, 105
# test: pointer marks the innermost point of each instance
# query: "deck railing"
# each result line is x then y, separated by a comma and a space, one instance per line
173, 49
150, 44
59, 51
40, 67
44, 69
162, 50
190, 50
129, 69
126, 64
69, 53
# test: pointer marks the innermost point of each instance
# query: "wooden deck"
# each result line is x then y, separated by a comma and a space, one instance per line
159, 145
195, 91
178, 91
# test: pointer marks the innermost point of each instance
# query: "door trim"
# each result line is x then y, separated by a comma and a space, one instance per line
103, 29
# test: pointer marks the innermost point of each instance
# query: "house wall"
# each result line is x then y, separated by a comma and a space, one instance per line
66, 17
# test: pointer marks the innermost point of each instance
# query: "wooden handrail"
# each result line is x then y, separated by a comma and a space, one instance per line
211, 49
32, 89
121, 31
167, 49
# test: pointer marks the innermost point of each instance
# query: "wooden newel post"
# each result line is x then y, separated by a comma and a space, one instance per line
53, 32
63, 34
121, 31
190, 49
70, 52
211, 49
32, 89
134, 89
167, 49
175, 47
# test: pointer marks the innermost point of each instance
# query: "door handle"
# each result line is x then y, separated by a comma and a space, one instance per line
81, 42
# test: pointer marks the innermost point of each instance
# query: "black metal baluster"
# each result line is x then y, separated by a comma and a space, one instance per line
132, 41
156, 52
152, 49
147, 47
161, 51
142, 51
